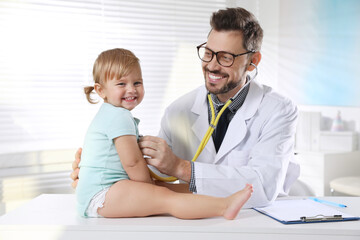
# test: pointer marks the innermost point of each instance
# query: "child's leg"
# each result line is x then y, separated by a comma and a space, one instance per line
190, 206
128, 198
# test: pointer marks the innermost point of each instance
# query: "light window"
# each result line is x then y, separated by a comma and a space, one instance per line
48, 49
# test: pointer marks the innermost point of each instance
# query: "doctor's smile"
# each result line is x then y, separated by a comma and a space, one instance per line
215, 78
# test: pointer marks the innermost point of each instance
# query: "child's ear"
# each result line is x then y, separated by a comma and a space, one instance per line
99, 90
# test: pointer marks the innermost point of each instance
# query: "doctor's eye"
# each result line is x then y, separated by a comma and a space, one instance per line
226, 57
206, 54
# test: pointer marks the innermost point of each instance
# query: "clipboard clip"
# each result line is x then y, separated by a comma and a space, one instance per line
321, 218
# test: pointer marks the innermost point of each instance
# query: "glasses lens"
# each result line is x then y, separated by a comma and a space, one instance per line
225, 59
205, 54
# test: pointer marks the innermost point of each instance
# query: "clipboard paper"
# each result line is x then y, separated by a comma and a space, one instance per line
297, 211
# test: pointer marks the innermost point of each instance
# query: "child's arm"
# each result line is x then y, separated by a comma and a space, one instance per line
132, 159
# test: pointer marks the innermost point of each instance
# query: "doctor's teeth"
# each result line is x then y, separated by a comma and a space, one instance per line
214, 77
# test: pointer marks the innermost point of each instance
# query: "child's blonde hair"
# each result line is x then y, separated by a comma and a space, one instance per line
113, 63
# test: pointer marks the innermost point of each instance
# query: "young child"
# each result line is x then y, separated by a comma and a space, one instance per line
114, 179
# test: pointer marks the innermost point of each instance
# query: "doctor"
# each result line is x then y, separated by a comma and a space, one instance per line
255, 141
258, 144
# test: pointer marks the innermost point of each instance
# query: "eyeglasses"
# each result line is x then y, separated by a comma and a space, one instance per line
225, 59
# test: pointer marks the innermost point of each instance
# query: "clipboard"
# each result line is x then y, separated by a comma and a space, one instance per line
298, 211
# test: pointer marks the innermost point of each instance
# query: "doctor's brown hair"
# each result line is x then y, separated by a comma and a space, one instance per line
113, 63
239, 19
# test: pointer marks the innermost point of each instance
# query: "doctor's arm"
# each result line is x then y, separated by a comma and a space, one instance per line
265, 164
163, 159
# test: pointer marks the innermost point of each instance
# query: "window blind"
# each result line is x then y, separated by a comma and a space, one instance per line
47, 50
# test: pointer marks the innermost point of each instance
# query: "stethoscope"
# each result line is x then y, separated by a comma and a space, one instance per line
213, 123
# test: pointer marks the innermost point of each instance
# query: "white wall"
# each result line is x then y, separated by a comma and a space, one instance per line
271, 66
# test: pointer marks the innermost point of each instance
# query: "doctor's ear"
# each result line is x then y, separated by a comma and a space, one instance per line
255, 59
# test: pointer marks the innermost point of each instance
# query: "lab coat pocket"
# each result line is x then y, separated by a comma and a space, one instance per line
238, 158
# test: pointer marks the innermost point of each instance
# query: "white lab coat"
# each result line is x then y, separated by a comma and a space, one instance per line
257, 147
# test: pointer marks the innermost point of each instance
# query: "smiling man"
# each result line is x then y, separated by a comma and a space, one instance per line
254, 140
257, 146
224, 76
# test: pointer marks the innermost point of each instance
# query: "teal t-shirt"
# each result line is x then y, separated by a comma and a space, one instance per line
100, 165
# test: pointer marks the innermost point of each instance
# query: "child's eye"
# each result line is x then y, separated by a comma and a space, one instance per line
137, 83
120, 84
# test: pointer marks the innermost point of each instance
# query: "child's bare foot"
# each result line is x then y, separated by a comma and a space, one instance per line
236, 201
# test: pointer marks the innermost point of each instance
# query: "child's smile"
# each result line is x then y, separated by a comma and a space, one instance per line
126, 92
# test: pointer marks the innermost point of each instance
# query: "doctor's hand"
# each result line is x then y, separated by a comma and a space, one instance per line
75, 166
163, 159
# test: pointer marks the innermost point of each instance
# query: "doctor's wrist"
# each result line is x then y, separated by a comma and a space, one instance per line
183, 170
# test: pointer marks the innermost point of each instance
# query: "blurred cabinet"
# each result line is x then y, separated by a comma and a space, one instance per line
319, 168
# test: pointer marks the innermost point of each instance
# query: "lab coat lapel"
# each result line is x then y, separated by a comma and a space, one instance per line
201, 123
237, 128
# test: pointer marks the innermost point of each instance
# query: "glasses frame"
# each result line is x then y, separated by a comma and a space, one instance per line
216, 54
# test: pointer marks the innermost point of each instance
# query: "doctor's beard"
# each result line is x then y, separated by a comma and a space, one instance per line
227, 87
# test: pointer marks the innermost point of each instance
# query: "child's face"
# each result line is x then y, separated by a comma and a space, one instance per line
126, 92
